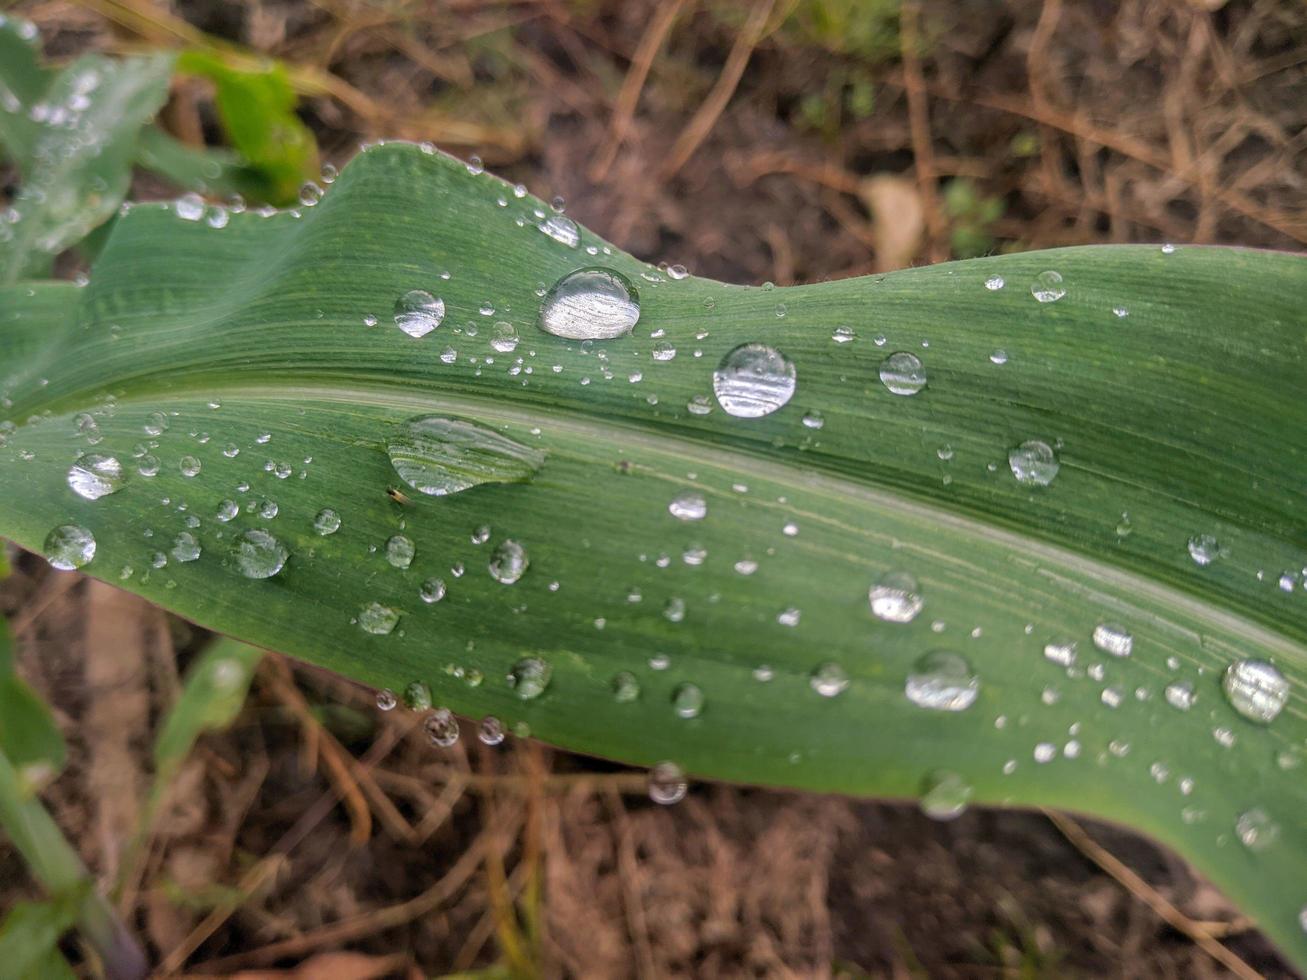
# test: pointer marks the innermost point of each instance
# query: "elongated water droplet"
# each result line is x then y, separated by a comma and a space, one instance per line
944, 795
1061, 652
400, 551
508, 562
687, 700
902, 373
1034, 463
1113, 639
439, 455
529, 677
1180, 695
1048, 287
258, 554
626, 687
68, 547
327, 522
417, 312
942, 680
753, 380
1205, 549
562, 229
377, 619
1256, 689
590, 304
896, 598
417, 696
828, 680
667, 784
96, 475
186, 547
688, 505
994, 283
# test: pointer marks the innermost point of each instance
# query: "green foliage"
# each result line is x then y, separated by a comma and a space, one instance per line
867, 30
28, 733
971, 215
209, 170
245, 364
29, 937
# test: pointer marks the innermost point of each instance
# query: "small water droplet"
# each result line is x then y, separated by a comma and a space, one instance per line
902, 373
1048, 287
439, 455
326, 522
688, 505
667, 784
227, 511
189, 466
490, 731
674, 610
400, 551
1045, 752
1205, 549
258, 554
943, 681
1256, 830
1256, 689
828, 680
441, 728
529, 677
185, 547
998, 357
377, 619
69, 547
1180, 695
944, 795
813, 420
590, 304
754, 380
1113, 639
432, 590
508, 562
842, 335
386, 699
561, 229
994, 283
503, 337
417, 312
1034, 463
896, 598
417, 696
687, 700
96, 475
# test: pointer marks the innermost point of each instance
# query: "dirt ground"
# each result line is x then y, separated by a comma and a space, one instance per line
784, 140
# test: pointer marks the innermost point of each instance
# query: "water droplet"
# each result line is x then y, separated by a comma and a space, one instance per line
944, 795
259, 555
896, 598
377, 619
677, 272
95, 475
1256, 689
508, 562
674, 611
1205, 549
417, 696
590, 304
503, 337
1045, 752
1256, 830
417, 312
753, 380
190, 466
227, 511
843, 335
688, 505
1034, 463
789, 617
185, 547
529, 677
189, 207
625, 687
1180, 695
1113, 639
561, 229
942, 680
432, 590
902, 373
386, 699
1048, 287
148, 465
400, 551
663, 351
998, 357
438, 455
687, 700
667, 784
327, 522
828, 680
490, 731
994, 283
441, 728
68, 547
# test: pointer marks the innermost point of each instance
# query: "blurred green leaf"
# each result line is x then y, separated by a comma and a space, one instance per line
28, 733
30, 934
209, 170
257, 109
73, 139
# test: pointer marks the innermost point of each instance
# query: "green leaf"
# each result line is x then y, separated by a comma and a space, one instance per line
580, 607
207, 170
77, 152
28, 733
30, 933
257, 109
22, 83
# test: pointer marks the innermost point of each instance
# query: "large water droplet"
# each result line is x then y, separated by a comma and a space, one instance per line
562, 229
1256, 689
417, 312
529, 677
258, 554
68, 547
96, 475
896, 598
590, 304
1034, 463
667, 783
902, 373
1048, 287
687, 700
439, 455
1256, 830
186, 547
688, 505
508, 562
753, 380
829, 679
1113, 639
944, 795
377, 619
327, 522
942, 680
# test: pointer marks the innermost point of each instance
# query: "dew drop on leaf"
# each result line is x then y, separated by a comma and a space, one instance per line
1113, 639
377, 619
326, 522
1034, 463
1256, 830
400, 551
386, 699
432, 590
667, 783
185, 547
829, 680
943, 681
687, 700
69, 547
441, 728
944, 795
1256, 689
896, 598
1204, 549
902, 373
490, 731
438, 455
529, 677
994, 283
417, 696
508, 562
189, 466
258, 554
417, 312
1180, 695
754, 380
688, 505
1048, 287
625, 687
561, 229
96, 475
590, 304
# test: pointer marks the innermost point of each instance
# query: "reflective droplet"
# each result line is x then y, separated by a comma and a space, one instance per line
1205, 549
896, 598
227, 511
1061, 652
994, 283
417, 312
185, 547
688, 505
503, 337
667, 784
69, 547
828, 680
590, 304
626, 687
441, 728
417, 696
432, 590
1034, 463
490, 731
258, 554
148, 465
944, 795
400, 551
377, 619
1113, 639
386, 700
753, 380
943, 681
561, 229
508, 562
902, 373
1048, 287
843, 335
1256, 830
529, 677
1180, 695
687, 700
190, 466
663, 351
95, 475
327, 522
1256, 689
439, 455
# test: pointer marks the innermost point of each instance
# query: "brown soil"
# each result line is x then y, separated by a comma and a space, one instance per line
957, 128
